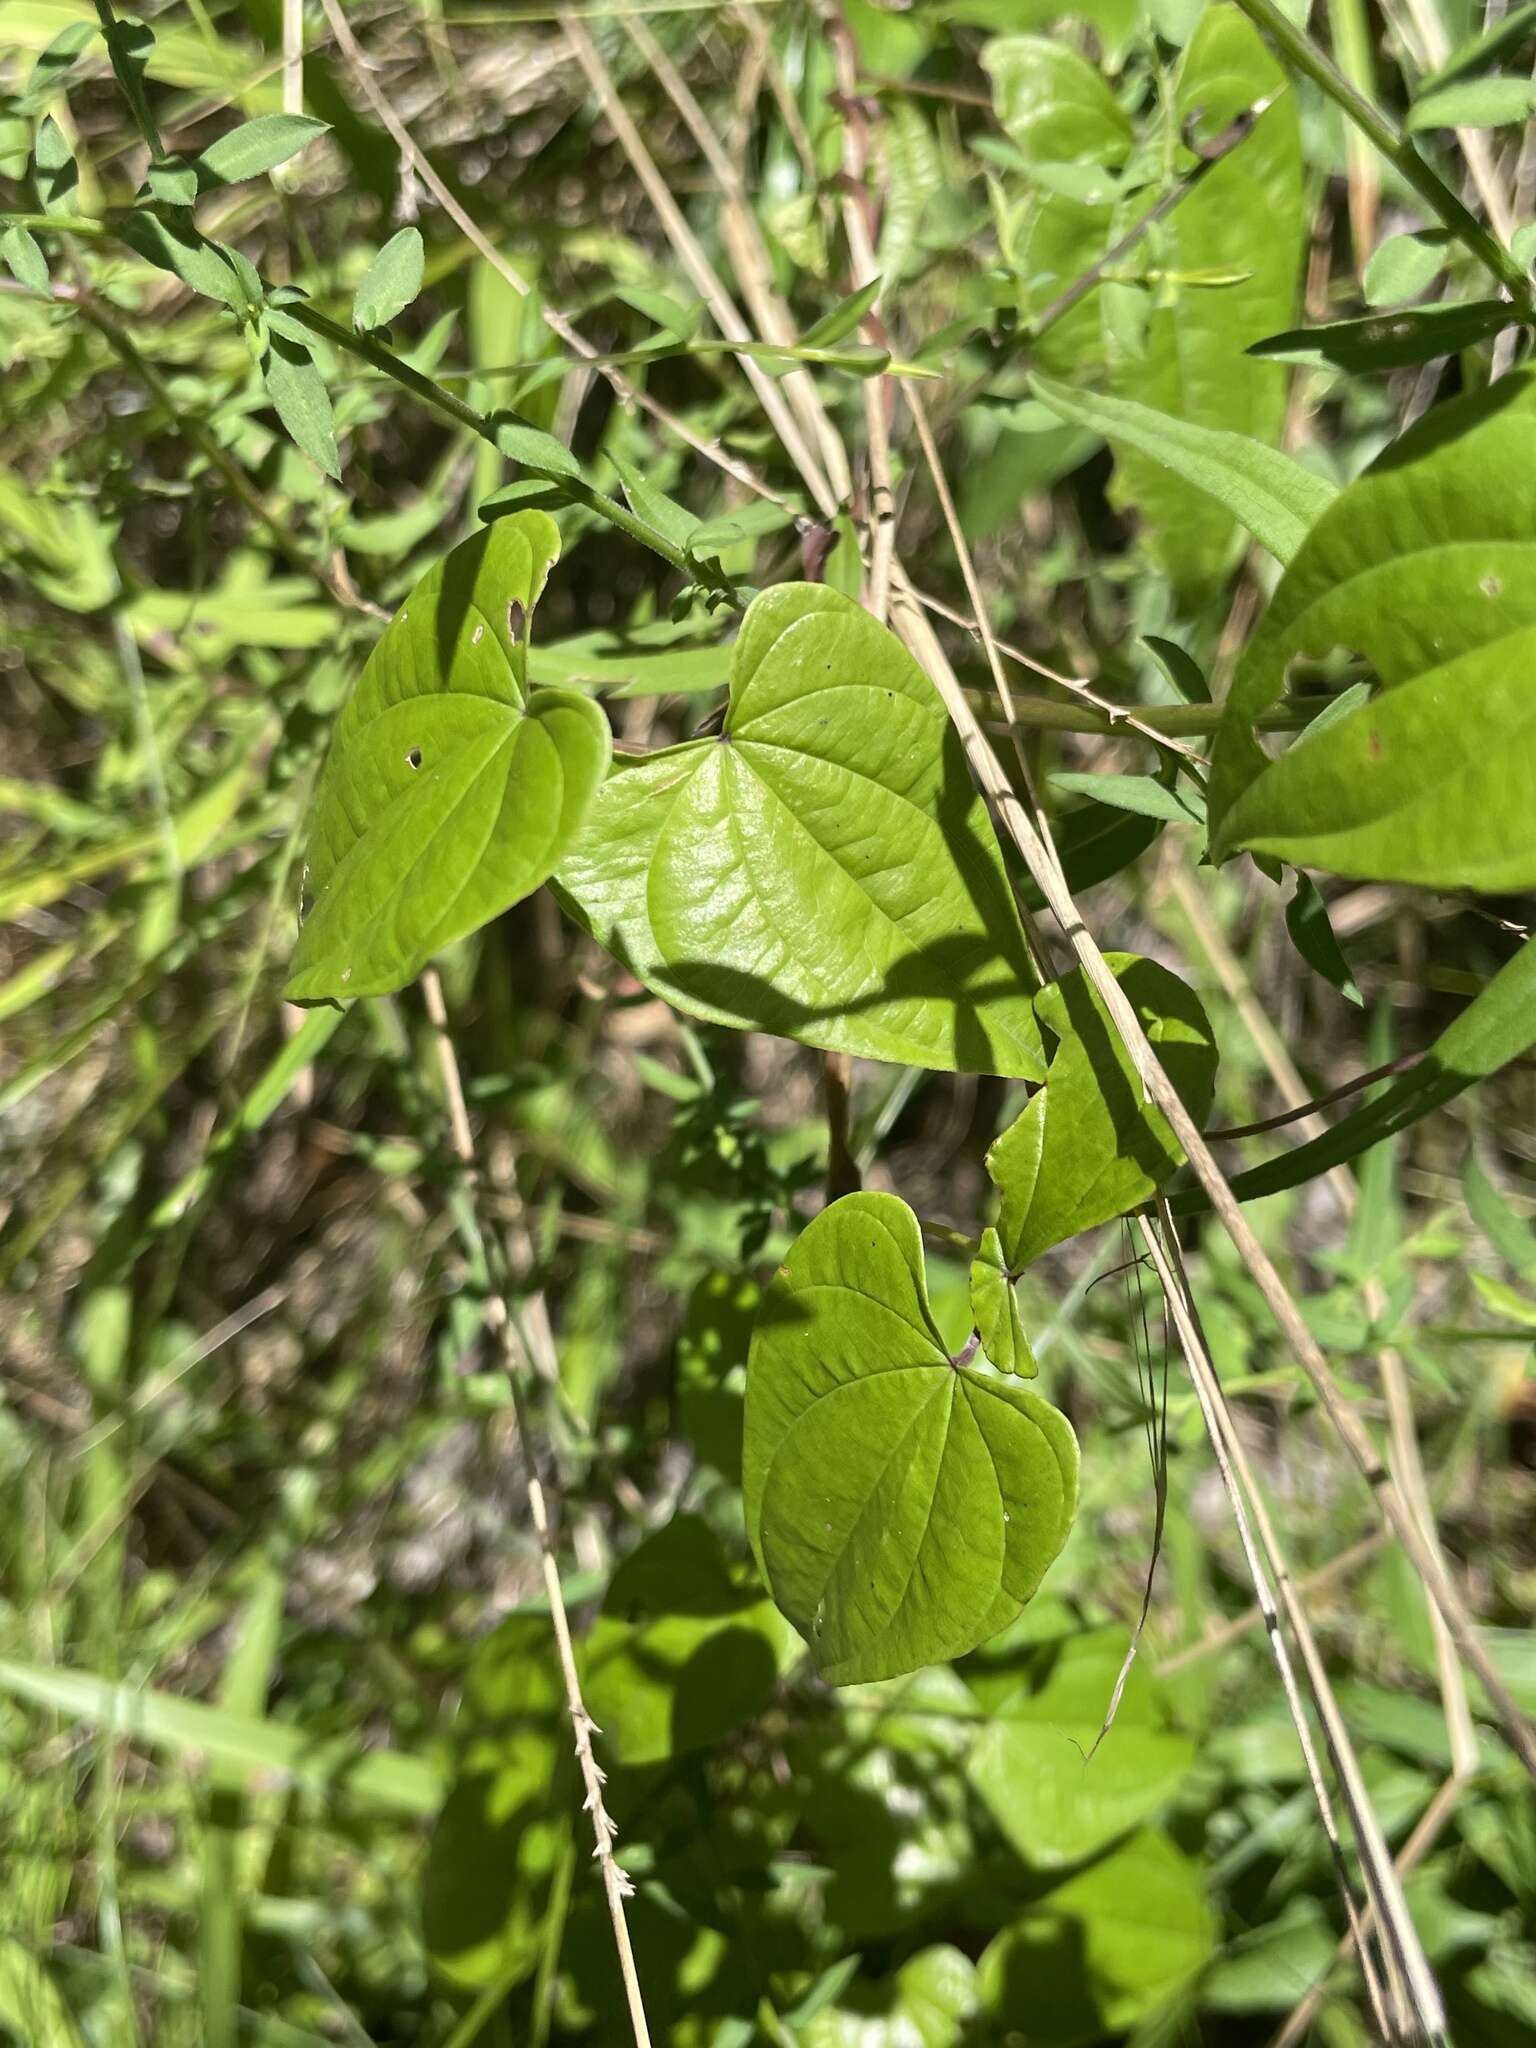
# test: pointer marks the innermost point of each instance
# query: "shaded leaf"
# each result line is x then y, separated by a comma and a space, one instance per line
843, 318
1102, 1951
1180, 667
55, 63
1511, 1235
824, 869
297, 390
54, 168
903, 1508
1306, 919
390, 282
681, 1653
925, 2004
1054, 1795
1386, 341
448, 795
1265, 490
1492, 1030
1090, 1145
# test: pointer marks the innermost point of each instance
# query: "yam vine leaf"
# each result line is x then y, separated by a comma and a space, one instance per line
995, 1307
1090, 1145
1426, 566
449, 793
824, 868
903, 1506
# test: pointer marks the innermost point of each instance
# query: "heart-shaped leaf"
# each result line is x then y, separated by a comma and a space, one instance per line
995, 1306
1424, 567
447, 796
1090, 1144
1056, 1796
824, 868
903, 1506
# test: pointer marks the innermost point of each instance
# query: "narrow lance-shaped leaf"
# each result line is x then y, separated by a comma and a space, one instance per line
1388, 341
824, 868
297, 390
1269, 493
903, 1505
257, 146
1424, 566
448, 794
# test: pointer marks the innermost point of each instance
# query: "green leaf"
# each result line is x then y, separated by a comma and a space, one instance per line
1054, 105
1054, 1795
824, 869
54, 168
1483, 47
1180, 667
1424, 567
297, 391
507, 1823
1266, 491
1495, 1028
391, 281
681, 1654
54, 65
1183, 355
674, 522
1090, 1145
203, 266
927, 2003
533, 448
173, 181
844, 316
379, 1778
1511, 1236
1472, 103
24, 259
32, 2007
1143, 794
1094, 841
1387, 341
258, 146
712, 1367
1406, 265
746, 522
1102, 1951
447, 797
1522, 245
903, 1507
1306, 919
995, 1307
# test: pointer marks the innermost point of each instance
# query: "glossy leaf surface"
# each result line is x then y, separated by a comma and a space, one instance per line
1424, 567
447, 797
824, 868
1089, 1144
903, 1508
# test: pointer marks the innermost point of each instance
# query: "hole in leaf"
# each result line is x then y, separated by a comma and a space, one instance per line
413, 758
516, 619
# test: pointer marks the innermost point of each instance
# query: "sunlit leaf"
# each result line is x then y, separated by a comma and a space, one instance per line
1090, 1144
390, 282
903, 1507
1424, 567
824, 868
1386, 341
257, 146
995, 1306
448, 795
1269, 493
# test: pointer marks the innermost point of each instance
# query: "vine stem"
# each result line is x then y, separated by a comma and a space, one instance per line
502, 1318
1302, 55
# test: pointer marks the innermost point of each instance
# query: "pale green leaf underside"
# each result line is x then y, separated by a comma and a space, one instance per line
824, 869
1266, 491
1090, 1145
1426, 567
995, 1308
446, 798
902, 1510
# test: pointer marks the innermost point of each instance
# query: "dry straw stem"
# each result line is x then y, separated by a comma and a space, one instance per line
1408, 1967
520, 1350
1218, 1427
1403, 1433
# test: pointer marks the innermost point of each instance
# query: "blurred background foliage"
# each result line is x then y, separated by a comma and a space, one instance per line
282, 1757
